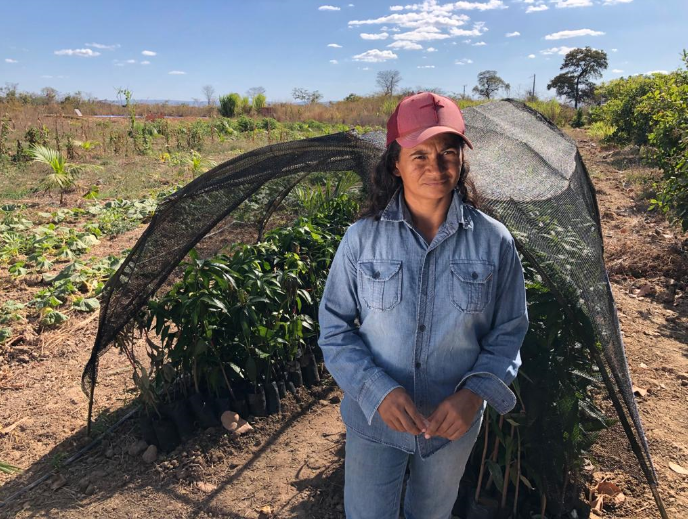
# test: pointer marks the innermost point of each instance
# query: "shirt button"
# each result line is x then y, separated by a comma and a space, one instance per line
418, 365
376, 275
422, 327
474, 275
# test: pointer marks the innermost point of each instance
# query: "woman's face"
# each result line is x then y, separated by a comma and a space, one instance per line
431, 169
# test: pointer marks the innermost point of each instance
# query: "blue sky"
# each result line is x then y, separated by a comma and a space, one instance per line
170, 49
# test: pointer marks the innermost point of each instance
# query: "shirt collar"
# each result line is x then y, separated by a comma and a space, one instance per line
397, 210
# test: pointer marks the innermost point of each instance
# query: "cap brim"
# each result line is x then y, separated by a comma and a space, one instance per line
415, 138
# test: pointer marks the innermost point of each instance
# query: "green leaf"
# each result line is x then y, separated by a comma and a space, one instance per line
495, 472
526, 482
251, 369
201, 347
53, 318
86, 305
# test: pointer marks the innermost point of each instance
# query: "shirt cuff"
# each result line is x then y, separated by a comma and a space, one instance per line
489, 387
374, 390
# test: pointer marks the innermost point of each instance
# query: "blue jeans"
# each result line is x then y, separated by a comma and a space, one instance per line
374, 474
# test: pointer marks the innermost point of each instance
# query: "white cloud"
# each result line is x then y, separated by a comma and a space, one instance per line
613, 50
617, 71
148, 53
478, 30
10, 60
655, 72
366, 68
375, 56
615, 2
464, 61
536, 8
479, 44
431, 20
145, 62
130, 61
431, 49
422, 34
328, 8
480, 6
561, 4
102, 46
47, 76
557, 50
177, 73
426, 66
531, 56
350, 5
381, 36
84, 53
573, 34
513, 34
334, 45
429, 5
405, 45
333, 61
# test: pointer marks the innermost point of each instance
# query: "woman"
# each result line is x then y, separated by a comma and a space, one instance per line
422, 318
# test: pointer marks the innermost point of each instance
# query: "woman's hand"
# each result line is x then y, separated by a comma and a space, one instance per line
400, 414
453, 417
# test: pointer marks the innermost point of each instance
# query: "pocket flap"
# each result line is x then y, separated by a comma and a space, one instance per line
472, 271
379, 270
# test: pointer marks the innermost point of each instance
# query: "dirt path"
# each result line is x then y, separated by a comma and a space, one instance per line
293, 464
647, 265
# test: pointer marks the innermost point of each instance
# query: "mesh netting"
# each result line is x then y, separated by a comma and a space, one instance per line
529, 176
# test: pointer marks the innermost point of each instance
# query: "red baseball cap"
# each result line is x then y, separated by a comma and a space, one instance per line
421, 116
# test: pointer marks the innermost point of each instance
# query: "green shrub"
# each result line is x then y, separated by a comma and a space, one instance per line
578, 120
620, 99
230, 105
268, 123
259, 102
316, 126
552, 110
245, 124
651, 111
600, 130
246, 105
666, 107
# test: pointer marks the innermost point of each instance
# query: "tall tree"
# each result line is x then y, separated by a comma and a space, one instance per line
580, 67
50, 94
301, 94
208, 93
388, 81
489, 83
255, 91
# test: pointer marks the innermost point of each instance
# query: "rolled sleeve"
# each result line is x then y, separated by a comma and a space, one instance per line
498, 362
346, 356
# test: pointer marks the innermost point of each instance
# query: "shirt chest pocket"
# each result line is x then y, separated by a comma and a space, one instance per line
471, 284
380, 283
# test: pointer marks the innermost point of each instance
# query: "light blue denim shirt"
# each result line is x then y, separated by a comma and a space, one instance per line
431, 318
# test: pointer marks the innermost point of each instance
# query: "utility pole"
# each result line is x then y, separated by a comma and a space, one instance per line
533, 90
464, 92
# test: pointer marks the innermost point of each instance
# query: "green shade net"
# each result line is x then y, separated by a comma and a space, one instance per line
528, 174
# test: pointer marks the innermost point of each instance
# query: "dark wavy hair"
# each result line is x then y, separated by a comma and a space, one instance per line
383, 184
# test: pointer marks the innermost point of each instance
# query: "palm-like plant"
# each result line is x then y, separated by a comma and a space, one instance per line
312, 199
196, 164
64, 174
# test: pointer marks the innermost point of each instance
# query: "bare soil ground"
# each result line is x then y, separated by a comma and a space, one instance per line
292, 465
